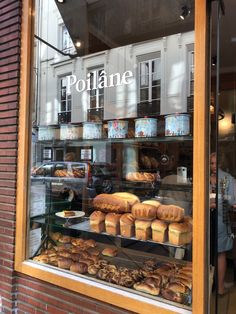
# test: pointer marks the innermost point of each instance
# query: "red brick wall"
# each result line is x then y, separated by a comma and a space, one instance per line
17, 291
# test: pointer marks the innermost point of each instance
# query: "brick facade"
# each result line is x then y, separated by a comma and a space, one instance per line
19, 293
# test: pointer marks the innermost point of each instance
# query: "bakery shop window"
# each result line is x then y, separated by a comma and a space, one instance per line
120, 211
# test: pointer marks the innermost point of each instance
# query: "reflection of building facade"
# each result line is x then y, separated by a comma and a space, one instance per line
162, 80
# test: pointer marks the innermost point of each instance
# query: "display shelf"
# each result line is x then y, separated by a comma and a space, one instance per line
86, 142
82, 225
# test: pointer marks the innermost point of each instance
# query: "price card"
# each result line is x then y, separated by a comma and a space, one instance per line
34, 240
38, 199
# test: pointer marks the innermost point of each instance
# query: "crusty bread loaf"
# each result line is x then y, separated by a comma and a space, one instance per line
170, 213
131, 198
97, 221
111, 252
180, 233
140, 176
152, 202
140, 286
142, 229
144, 211
112, 223
127, 225
159, 231
111, 203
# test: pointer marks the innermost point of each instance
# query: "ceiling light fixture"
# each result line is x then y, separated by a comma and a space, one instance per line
185, 12
61, 1
78, 44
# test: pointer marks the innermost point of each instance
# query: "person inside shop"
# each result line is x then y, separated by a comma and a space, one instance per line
224, 235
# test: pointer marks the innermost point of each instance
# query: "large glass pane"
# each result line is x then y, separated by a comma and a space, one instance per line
223, 154
111, 185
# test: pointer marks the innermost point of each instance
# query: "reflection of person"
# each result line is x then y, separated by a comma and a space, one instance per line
224, 236
69, 157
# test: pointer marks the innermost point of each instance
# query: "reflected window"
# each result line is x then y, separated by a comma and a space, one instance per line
149, 76
66, 41
96, 94
64, 115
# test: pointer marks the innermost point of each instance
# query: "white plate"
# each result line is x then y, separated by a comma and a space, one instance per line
77, 214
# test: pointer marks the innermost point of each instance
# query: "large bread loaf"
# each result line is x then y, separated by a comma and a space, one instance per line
171, 213
111, 203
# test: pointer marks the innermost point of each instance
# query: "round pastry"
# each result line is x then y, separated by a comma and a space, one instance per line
55, 236
77, 241
64, 239
41, 259
111, 252
93, 251
79, 268
93, 270
75, 257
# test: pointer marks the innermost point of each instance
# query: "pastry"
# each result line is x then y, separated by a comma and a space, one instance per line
64, 263
170, 213
79, 268
112, 223
111, 203
172, 296
90, 243
144, 211
159, 231
55, 236
140, 286
41, 259
97, 221
142, 229
180, 233
127, 225
64, 239
111, 252
68, 213
176, 287
77, 241
93, 270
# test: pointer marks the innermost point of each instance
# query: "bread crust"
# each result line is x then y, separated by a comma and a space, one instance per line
111, 203
144, 211
131, 198
170, 213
